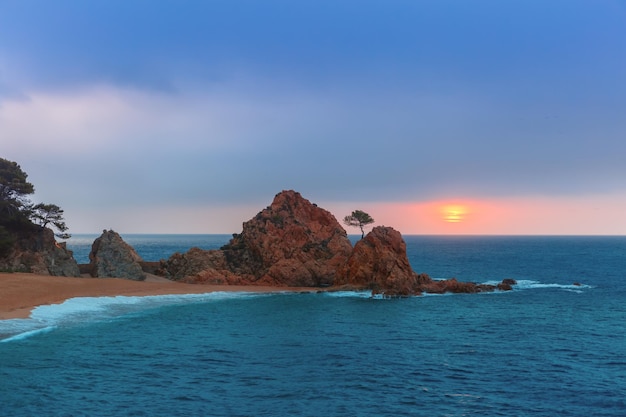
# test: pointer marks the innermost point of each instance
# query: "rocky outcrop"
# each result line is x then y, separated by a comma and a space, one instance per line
507, 284
35, 250
295, 243
111, 257
458, 287
290, 243
200, 266
379, 262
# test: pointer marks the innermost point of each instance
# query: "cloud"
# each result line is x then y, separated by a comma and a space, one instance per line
243, 141
122, 106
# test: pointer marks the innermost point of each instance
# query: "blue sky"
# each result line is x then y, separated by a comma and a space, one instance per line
189, 116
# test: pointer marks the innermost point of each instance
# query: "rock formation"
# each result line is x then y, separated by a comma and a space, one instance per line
35, 250
111, 257
201, 266
379, 262
454, 286
295, 243
290, 243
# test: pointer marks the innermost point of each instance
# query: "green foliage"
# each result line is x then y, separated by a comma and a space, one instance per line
6, 241
16, 212
50, 214
13, 180
358, 219
13, 191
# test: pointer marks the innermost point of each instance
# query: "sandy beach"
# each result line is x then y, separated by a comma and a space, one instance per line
21, 292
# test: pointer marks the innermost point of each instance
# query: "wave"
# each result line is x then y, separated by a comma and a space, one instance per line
521, 285
532, 285
352, 294
85, 309
27, 334
527, 284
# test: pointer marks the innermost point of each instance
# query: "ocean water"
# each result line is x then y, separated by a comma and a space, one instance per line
547, 348
151, 248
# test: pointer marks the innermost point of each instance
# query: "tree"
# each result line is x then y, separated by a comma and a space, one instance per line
16, 210
13, 189
359, 219
45, 214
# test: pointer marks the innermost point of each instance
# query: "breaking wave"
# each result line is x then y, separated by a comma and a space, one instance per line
85, 309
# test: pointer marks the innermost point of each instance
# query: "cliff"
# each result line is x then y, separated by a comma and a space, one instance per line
34, 249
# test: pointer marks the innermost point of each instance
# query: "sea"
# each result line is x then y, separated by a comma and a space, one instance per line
554, 346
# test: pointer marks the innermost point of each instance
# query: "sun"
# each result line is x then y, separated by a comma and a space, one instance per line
453, 213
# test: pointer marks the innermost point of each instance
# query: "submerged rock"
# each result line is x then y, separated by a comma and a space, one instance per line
454, 286
506, 284
111, 257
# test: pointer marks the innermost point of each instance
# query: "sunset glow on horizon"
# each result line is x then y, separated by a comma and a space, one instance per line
504, 216
454, 213
190, 118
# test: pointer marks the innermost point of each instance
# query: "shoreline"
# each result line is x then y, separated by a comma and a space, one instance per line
20, 293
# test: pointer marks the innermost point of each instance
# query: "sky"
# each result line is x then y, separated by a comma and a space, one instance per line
433, 116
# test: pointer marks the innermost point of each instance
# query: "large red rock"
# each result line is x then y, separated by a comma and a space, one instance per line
295, 243
379, 262
290, 243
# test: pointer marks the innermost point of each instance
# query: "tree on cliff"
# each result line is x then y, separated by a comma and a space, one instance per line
50, 214
16, 210
358, 219
13, 191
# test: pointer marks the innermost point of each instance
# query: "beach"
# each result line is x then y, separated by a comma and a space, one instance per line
21, 292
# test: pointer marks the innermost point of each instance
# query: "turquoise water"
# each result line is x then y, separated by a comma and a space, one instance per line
547, 348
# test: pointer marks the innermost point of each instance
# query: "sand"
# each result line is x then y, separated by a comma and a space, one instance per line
20, 292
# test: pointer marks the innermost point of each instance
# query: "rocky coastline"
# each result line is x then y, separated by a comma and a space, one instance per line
291, 243
35, 250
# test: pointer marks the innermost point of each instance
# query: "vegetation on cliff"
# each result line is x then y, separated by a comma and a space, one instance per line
13, 191
358, 219
17, 212
26, 241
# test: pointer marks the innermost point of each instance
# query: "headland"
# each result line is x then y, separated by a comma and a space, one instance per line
292, 245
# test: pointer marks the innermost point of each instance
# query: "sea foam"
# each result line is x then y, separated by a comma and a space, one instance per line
352, 294
531, 285
85, 309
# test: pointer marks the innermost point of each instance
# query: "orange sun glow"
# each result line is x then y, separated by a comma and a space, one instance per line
453, 213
